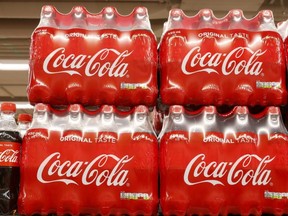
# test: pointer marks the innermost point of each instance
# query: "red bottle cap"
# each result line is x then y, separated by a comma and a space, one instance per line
41, 107
176, 109
210, 109
24, 117
141, 109
10, 107
241, 110
107, 109
75, 108
273, 110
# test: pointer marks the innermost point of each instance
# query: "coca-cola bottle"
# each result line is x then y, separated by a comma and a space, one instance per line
206, 137
39, 132
239, 132
75, 119
273, 147
10, 141
24, 122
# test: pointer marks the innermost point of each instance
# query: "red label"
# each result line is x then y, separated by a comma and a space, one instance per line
93, 67
94, 173
9, 154
228, 175
217, 67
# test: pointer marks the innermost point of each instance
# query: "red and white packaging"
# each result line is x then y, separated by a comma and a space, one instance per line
232, 60
93, 59
10, 152
76, 161
213, 164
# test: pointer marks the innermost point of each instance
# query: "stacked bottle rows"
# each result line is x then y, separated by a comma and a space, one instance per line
92, 78
106, 58
228, 163
234, 162
92, 148
93, 59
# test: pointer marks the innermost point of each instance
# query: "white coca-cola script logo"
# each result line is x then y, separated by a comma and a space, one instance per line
233, 173
233, 62
96, 64
52, 169
9, 156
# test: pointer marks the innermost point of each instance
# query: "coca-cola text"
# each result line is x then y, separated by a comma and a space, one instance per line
233, 173
232, 62
9, 156
52, 169
96, 64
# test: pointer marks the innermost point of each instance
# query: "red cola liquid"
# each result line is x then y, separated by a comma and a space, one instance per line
9, 171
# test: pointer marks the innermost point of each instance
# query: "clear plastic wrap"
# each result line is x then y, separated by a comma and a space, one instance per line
232, 60
232, 163
93, 59
102, 161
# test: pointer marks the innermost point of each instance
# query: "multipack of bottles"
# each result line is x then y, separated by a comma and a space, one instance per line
228, 163
91, 148
216, 162
93, 59
103, 161
103, 142
229, 61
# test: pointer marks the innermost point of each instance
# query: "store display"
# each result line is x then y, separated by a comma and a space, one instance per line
103, 142
93, 59
213, 163
10, 142
232, 60
24, 122
102, 161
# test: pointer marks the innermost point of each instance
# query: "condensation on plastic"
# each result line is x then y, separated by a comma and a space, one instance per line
208, 119
234, 19
105, 118
107, 18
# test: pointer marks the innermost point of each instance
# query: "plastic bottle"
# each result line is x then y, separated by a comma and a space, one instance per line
10, 141
272, 147
24, 123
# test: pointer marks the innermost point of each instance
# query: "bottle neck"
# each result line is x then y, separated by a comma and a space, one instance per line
24, 124
40, 120
7, 121
7, 115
